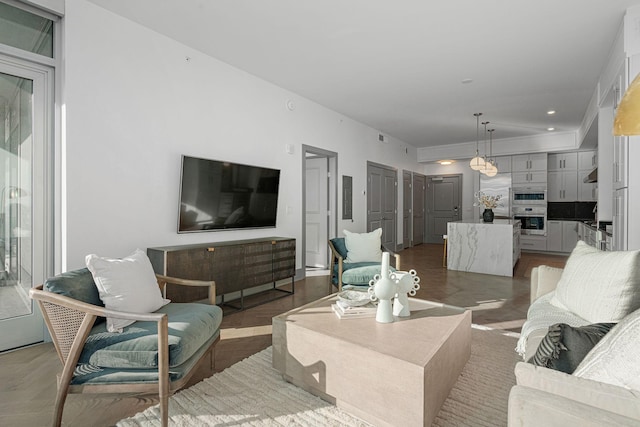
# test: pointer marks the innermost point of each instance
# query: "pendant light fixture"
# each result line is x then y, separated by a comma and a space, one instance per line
486, 166
626, 121
493, 171
477, 163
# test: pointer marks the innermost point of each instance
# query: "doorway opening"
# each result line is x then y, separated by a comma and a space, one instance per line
320, 207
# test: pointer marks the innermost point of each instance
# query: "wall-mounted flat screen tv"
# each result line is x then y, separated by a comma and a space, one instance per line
217, 195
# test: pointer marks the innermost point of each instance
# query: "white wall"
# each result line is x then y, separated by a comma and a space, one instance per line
134, 101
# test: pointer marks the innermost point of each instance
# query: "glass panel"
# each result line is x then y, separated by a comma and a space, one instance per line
26, 31
16, 146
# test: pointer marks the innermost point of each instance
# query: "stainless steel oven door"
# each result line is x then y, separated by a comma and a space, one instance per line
532, 224
529, 196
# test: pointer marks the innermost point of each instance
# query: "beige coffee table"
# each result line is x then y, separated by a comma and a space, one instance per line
394, 374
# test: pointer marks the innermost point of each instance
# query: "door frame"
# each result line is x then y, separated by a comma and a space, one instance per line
407, 174
423, 207
332, 207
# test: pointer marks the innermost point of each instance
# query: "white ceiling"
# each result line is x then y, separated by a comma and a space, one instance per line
398, 66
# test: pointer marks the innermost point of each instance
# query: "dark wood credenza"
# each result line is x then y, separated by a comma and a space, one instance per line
234, 265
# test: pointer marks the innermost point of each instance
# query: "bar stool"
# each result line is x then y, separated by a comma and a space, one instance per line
444, 255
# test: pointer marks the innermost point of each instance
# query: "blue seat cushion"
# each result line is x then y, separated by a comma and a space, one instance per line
360, 273
191, 325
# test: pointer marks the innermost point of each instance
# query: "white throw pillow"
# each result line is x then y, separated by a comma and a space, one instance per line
599, 286
616, 358
127, 284
363, 246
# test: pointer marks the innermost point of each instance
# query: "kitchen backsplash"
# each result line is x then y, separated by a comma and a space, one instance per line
571, 210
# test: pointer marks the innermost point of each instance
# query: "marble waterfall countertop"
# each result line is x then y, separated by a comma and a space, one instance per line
481, 247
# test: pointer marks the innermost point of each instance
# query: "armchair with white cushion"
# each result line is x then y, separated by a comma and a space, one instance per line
146, 344
356, 258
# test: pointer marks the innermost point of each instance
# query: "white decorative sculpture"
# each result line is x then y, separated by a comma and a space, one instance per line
407, 283
383, 289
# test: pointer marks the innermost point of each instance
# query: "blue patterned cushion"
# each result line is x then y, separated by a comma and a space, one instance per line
76, 284
190, 326
340, 246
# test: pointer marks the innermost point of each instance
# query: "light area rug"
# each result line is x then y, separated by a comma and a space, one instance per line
252, 393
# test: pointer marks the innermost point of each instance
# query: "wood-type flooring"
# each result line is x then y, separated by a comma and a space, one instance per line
28, 375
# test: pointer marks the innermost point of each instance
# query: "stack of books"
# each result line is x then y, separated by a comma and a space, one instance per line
344, 311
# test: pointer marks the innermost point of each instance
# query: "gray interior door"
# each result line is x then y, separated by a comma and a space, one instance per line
444, 201
419, 188
407, 201
382, 204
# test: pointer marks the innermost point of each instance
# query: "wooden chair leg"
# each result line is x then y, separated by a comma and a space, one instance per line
444, 255
61, 397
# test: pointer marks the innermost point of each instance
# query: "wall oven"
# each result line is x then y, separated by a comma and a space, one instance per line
533, 219
529, 196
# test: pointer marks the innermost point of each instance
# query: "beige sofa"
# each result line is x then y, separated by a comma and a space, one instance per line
545, 397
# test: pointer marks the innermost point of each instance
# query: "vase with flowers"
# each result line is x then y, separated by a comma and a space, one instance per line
489, 203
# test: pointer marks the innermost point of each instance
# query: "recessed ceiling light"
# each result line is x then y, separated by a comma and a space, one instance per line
551, 112
445, 162
550, 129
465, 81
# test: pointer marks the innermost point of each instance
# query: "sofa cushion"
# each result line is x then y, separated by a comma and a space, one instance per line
127, 284
361, 273
363, 247
340, 246
190, 326
616, 358
564, 346
599, 286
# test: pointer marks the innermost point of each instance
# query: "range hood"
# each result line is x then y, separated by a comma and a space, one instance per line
592, 177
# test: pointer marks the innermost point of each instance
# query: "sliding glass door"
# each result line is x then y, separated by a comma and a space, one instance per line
24, 127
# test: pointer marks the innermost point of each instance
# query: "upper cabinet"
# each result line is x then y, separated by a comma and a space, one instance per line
529, 162
587, 160
563, 161
529, 169
563, 186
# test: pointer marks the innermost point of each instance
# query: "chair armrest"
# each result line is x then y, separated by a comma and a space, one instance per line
163, 280
69, 322
606, 397
94, 310
529, 407
544, 279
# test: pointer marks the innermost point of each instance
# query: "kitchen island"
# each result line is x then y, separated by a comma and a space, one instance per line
481, 247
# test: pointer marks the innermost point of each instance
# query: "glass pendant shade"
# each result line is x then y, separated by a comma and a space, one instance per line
492, 171
627, 120
477, 163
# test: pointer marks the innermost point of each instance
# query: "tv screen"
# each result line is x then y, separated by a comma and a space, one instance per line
217, 195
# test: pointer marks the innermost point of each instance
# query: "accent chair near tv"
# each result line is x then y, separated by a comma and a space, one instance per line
355, 258
157, 352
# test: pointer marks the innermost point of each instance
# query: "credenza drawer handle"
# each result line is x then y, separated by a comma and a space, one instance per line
211, 249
